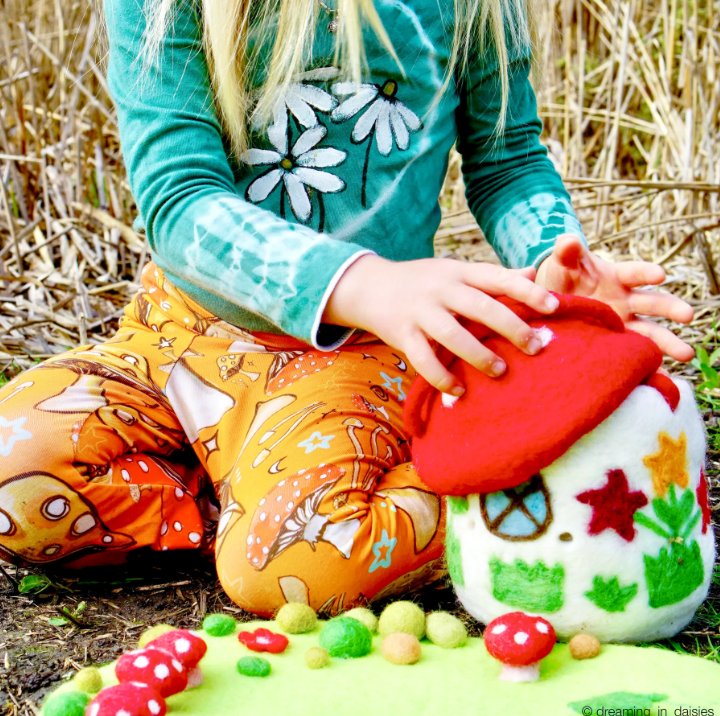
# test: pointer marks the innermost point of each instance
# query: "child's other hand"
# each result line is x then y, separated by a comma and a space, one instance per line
411, 303
573, 269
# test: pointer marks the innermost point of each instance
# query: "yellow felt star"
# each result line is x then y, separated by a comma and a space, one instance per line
669, 464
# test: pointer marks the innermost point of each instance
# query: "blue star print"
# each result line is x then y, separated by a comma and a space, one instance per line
323, 441
389, 382
17, 434
383, 552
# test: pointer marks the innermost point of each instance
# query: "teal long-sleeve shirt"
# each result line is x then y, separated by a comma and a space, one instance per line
343, 170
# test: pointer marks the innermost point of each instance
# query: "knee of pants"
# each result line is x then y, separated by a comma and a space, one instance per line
248, 588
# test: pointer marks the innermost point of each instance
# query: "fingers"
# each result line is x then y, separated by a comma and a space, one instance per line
652, 303
633, 274
666, 341
446, 330
423, 358
484, 309
568, 251
517, 284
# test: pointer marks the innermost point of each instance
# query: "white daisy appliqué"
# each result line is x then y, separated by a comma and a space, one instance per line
296, 170
386, 117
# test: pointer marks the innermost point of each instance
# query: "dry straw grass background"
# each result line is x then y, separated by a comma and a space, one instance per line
629, 97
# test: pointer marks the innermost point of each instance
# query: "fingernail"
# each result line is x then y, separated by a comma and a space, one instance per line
534, 346
457, 391
551, 303
498, 368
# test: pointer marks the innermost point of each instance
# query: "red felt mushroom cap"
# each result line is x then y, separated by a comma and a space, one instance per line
156, 668
185, 646
518, 639
130, 699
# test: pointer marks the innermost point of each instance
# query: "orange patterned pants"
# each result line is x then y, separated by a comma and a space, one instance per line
185, 432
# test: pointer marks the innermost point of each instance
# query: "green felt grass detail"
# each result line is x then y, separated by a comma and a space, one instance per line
453, 555
609, 595
619, 702
219, 624
72, 703
253, 666
535, 588
458, 505
673, 574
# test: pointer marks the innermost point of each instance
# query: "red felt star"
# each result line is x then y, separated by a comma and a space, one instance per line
702, 498
614, 506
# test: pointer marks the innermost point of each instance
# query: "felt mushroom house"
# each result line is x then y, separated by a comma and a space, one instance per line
575, 481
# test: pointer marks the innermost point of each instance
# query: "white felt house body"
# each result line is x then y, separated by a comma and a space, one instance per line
613, 539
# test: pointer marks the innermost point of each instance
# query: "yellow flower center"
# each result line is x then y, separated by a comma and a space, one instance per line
389, 88
286, 164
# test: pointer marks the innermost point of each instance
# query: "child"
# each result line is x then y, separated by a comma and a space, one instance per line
239, 408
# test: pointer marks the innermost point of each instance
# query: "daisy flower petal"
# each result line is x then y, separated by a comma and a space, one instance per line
316, 97
277, 132
308, 139
260, 157
382, 130
322, 181
411, 119
299, 200
350, 107
323, 157
350, 87
260, 189
300, 108
402, 136
365, 124
319, 74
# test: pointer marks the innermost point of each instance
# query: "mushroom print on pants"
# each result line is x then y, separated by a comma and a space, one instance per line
595, 515
288, 464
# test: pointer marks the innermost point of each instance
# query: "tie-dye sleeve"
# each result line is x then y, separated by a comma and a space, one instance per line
199, 228
512, 187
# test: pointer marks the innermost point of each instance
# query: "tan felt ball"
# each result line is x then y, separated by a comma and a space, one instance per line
364, 616
296, 618
153, 633
316, 657
88, 680
584, 646
401, 648
406, 617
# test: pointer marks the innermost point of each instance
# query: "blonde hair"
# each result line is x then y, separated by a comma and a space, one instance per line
231, 62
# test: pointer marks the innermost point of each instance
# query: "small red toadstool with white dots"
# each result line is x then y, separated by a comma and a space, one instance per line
156, 668
187, 648
131, 699
520, 642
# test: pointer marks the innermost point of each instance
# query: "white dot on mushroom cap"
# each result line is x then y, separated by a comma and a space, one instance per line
94, 710
281, 483
164, 528
182, 646
250, 539
255, 560
322, 464
521, 637
262, 502
123, 712
290, 505
125, 475
265, 550
194, 537
257, 540
300, 472
499, 629
177, 526
153, 707
141, 662
323, 476
177, 666
279, 498
297, 493
542, 627
161, 672
263, 515
277, 518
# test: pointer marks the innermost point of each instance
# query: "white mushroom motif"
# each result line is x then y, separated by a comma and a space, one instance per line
387, 117
296, 170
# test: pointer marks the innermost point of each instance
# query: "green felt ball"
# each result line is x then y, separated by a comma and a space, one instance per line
316, 657
253, 666
219, 624
71, 703
153, 633
405, 617
346, 638
364, 616
296, 618
445, 630
88, 680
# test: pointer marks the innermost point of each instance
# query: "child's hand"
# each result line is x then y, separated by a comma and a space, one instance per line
411, 303
572, 268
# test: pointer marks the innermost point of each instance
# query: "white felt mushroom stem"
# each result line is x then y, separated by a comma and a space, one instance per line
531, 672
195, 678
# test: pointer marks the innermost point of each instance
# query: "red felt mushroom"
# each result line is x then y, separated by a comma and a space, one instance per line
263, 640
157, 668
520, 642
130, 699
187, 648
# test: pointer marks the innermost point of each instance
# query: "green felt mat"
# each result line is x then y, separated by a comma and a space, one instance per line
444, 682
